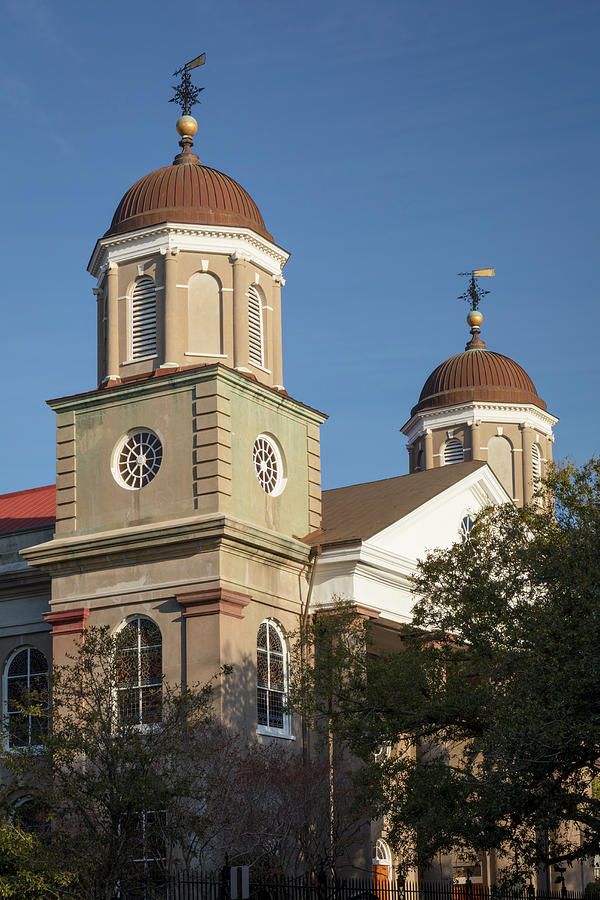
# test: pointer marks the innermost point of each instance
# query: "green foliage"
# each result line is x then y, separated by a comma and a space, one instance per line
492, 697
27, 870
115, 791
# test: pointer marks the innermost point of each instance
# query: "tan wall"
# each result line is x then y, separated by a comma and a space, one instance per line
193, 647
207, 424
476, 438
233, 275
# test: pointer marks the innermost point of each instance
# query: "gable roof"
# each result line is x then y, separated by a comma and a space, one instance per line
357, 512
28, 509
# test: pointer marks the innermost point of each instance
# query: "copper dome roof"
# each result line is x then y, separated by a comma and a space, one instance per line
477, 375
190, 194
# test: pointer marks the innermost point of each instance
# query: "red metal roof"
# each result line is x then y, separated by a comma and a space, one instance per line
28, 509
192, 194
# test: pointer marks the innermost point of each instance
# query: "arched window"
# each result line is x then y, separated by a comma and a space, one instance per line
466, 523
383, 853
139, 671
143, 318
536, 465
382, 869
256, 351
272, 677
536, 470
25, 688
453, 452
204, 315
420, 461
500, 461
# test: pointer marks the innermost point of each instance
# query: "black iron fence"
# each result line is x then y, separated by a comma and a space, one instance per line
191, 885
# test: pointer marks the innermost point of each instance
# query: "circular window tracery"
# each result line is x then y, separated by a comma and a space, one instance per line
268, 465
137, 459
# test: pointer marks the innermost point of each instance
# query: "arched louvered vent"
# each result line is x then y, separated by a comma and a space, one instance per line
453, 452
536, 464
255, 327
143, 318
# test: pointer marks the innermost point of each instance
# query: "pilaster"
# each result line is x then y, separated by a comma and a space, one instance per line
278, 283
66, 474
174, 317
314, 478
429, 449
67, 627
212, 447
112, 360
240, 313
475, 433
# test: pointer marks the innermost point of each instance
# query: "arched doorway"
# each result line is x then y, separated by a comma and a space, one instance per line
382, 869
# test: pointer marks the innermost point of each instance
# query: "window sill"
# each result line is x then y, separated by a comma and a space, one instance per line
275, 732
260, 368
131, 362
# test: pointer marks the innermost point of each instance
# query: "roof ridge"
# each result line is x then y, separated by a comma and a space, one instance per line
344, 487
43, 487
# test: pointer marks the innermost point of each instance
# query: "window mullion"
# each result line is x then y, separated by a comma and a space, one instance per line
268, 674
139, 669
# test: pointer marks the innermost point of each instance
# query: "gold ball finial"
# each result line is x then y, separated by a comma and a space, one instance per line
186, 126
474, 319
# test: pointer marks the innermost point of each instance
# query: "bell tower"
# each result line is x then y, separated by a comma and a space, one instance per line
187, 478
482, 405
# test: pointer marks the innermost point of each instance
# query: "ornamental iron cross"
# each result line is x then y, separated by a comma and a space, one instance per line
475, 294
186, 93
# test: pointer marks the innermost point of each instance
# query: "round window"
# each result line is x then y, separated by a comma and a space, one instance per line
268, 465
137, 459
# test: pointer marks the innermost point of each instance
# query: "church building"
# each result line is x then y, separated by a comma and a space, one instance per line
188, 510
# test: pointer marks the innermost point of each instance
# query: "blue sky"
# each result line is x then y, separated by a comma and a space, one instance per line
388, 145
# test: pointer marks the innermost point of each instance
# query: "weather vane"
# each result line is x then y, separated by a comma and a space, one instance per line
186, 93
475, 294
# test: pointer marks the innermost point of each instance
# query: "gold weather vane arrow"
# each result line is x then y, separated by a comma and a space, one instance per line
474, 294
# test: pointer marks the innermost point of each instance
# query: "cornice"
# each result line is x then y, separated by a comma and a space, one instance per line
23, 582
195, 238
504, 413
165, 540
183, 379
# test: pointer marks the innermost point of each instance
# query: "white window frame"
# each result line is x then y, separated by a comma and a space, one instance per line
5, 676
467, 520
454, 442
279, 459
383, 856
115, 458
286, 730
254, 295
145, 861
138, 686
152, 351
536, 464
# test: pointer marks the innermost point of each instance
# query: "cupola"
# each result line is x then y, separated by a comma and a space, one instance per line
187, 275
480, 404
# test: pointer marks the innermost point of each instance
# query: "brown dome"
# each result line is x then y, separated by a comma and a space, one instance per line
189, 194
477, 375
